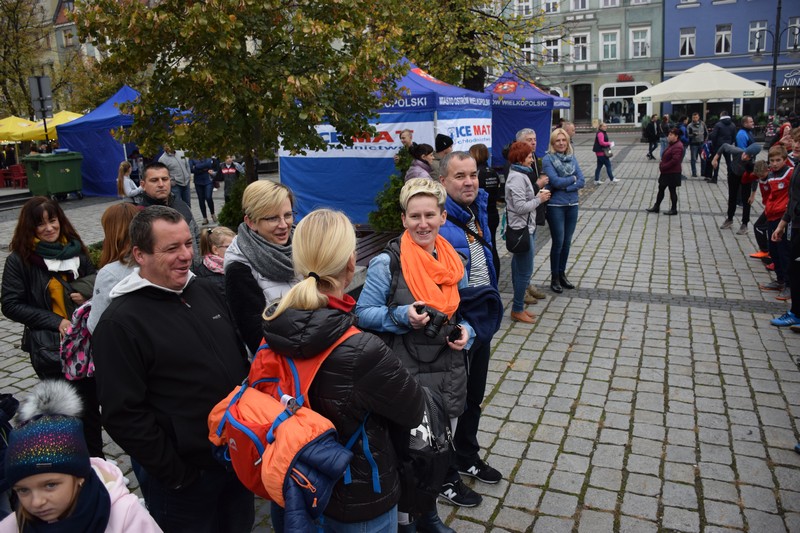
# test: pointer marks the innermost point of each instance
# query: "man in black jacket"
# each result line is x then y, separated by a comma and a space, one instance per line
166, 351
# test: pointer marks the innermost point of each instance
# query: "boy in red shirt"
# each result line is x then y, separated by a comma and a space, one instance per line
775, 195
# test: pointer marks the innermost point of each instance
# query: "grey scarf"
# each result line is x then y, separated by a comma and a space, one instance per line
563, 163
273, 261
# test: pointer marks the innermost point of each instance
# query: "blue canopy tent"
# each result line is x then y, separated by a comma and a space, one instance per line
91, 136
518, 104
349, 178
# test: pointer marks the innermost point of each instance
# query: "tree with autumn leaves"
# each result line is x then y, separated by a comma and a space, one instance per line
255, 74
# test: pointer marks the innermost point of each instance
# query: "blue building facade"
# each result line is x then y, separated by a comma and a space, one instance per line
738, 36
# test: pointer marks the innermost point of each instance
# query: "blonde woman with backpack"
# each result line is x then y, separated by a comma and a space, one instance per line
360, 376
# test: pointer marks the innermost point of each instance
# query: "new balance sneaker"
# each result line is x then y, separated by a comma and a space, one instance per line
771, 286
786, 319
457, 493
785, 294
482, 472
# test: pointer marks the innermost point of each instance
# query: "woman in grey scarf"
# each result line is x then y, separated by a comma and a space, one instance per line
258, 263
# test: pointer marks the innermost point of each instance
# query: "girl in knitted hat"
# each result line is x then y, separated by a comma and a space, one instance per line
59, 487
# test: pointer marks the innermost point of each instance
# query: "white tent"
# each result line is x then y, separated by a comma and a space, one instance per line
702, 82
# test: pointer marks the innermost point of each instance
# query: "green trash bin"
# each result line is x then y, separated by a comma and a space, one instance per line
55, 175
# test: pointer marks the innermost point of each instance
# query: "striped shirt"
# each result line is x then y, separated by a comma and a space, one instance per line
479, 271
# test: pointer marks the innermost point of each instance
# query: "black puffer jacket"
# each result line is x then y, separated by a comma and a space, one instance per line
25, 296
360, 376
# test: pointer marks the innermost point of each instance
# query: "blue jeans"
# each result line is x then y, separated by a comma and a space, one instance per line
664, 143
694, 152
217, 502
521, 271
204, 196
385, 523
183, 192
603, 161
562, 220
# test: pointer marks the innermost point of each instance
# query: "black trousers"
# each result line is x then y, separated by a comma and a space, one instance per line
737, 192
761, 232
92, 426
673, 196
466, 438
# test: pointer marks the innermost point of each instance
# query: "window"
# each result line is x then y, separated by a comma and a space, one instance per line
550, 6
688, 37
640, 2
757, 38
609, 3
69, 38
580, 48
722, 39
793, 33
524, 8
528, 54
552, 50
640, 42
609, 41
579, 5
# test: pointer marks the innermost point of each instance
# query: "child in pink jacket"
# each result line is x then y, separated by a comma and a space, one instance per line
58, 486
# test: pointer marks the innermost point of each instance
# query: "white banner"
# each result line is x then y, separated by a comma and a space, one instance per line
466, 131
385, 142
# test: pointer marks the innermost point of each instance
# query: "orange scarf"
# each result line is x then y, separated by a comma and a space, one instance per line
431, 280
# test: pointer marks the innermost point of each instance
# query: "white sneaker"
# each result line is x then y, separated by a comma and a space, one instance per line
615, 180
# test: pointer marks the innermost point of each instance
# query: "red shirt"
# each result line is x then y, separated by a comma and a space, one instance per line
775, 192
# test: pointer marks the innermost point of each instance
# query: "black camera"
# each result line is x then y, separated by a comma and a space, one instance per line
437, 320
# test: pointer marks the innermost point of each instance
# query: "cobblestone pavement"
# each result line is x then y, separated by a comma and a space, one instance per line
654, 397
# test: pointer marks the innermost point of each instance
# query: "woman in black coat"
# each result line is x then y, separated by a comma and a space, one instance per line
46, 277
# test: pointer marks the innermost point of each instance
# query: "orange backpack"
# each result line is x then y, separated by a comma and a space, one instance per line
264, 425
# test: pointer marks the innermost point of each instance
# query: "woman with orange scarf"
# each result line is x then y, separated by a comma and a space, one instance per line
411, 299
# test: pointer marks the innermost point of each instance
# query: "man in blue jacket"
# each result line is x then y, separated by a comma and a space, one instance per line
467, 229
744, 137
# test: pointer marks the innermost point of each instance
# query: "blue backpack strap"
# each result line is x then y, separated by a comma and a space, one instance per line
235, 399
289, 410
362, 432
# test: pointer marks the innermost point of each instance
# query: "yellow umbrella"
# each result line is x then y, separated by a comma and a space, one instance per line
36, 131
12, 125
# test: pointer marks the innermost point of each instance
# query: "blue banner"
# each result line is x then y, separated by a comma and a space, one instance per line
348, 184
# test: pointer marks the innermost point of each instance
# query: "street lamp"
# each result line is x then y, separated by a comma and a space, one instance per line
776, 42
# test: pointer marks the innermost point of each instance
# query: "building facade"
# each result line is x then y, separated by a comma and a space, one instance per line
738, 35
599, 53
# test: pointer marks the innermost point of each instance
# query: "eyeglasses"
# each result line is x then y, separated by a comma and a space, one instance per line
275, 220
